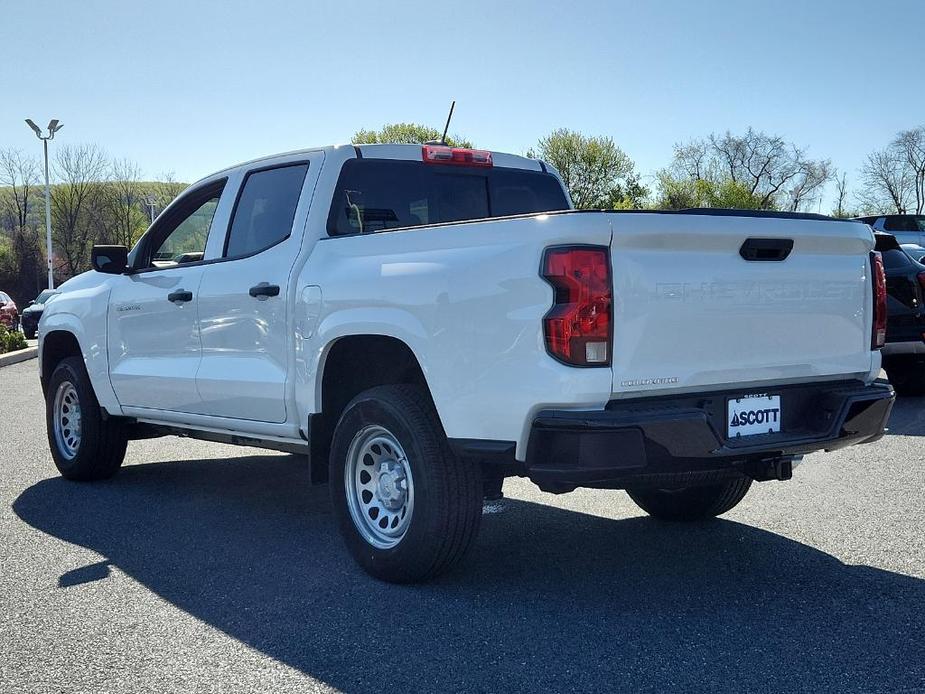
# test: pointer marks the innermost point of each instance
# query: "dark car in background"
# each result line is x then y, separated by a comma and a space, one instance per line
9, 314
904, 351
33, 312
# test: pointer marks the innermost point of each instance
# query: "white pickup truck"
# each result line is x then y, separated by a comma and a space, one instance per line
425, 321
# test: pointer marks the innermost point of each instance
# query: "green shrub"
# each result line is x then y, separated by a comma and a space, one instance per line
11, 340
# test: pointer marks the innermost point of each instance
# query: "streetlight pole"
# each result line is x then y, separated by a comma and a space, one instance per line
53, 127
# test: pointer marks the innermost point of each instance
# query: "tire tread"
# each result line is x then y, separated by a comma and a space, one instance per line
691, 503
459, 483
103, 441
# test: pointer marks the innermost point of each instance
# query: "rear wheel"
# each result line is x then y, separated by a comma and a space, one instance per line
407, 508
84, 445
907, 375
691, 503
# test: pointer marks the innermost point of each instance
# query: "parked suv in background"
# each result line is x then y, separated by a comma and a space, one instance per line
9, 314
33, 313
907, 228
904, 351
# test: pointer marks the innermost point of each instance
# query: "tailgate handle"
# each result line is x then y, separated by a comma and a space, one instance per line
766, 249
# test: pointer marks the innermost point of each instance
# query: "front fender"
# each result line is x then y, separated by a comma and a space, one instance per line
83, 313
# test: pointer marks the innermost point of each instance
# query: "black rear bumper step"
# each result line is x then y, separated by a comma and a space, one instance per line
681, 439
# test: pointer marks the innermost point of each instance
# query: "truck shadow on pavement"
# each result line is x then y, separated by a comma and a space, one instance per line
550, 599
908, 417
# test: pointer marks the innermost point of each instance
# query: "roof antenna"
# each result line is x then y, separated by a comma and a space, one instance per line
448, 118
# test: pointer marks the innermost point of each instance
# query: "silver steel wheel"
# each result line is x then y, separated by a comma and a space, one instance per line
67, 420
379, 486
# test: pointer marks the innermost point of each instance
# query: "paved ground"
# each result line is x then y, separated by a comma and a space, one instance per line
209, 568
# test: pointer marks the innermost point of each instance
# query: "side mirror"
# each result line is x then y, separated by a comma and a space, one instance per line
113, 260
30, 303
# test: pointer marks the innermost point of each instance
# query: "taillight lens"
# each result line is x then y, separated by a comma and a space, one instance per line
578, 326
439, 154
878, 338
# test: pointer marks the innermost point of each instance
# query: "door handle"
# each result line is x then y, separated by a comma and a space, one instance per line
180, 296
264, 290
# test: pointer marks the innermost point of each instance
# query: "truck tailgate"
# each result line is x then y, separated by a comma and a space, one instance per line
691, 313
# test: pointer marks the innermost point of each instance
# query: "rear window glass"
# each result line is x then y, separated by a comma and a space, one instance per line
900, 223
377, 194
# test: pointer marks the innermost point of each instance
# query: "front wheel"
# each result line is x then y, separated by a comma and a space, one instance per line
29, 333
407, 508
691, 503
84, 445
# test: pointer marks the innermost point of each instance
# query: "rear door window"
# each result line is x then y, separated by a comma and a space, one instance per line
265, 210
379, 194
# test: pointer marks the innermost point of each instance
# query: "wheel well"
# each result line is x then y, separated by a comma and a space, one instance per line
354, 364
57, 345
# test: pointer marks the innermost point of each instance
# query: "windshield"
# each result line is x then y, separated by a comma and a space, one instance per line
45, 296
378, 194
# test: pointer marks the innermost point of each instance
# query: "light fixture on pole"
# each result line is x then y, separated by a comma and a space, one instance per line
150, 203
53, 127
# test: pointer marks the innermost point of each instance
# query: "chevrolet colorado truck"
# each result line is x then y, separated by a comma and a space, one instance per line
424, 321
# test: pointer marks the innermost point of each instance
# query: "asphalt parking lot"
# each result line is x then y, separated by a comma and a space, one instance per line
204, 567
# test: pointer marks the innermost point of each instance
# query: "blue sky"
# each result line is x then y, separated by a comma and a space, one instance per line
193, 86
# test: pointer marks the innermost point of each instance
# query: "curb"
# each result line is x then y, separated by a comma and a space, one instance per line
18, 356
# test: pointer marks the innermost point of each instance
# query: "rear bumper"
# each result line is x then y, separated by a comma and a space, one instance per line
903, 347
673, 439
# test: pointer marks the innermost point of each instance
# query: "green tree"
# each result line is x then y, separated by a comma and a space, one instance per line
405, 133
747, 168
124, 218
679, 192
596, 172
76, 201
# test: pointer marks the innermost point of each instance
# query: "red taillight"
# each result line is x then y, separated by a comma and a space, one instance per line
439, 154
878, 337
578, 326
921, 278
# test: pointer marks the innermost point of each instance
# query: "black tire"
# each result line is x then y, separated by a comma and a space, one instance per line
446, 492
907, 375
100, 449
30, 334
691, 503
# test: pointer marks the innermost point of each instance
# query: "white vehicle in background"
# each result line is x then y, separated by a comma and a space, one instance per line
907, 228
915, 251
425, 321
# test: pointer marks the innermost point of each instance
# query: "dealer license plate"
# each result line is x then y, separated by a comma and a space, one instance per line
753, 414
